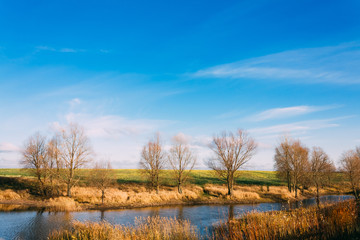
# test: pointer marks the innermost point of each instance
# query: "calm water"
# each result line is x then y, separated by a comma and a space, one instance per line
37, 225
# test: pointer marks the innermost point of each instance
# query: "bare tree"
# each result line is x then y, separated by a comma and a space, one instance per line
350, 163
291, 162
35, 158
54, 155
102, 177
320, 169
152, 161
76, 153
231, 152
299, 164
282, 161
182, 161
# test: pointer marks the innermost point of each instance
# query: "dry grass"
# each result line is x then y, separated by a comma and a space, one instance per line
138, 195
62, 204
239, 194
330, 222
11, 207
9, 194
145, 228
282, 192
135, 195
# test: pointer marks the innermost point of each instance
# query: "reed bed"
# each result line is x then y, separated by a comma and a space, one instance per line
144, 228
61, 204
337, 221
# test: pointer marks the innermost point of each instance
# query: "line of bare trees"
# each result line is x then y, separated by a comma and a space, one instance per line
56, 161
231, 152
301, 167
154, 158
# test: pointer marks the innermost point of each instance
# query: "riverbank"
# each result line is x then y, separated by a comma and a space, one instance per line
127, 196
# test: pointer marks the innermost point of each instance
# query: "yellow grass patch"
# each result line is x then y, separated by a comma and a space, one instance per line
62, 204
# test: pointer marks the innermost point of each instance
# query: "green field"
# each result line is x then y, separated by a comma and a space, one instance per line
199, 177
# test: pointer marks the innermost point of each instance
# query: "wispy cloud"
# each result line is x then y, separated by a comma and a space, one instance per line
230, 114
286, 112
302, 126
335, 64
61, 50
75, 101
113, 126
6, 147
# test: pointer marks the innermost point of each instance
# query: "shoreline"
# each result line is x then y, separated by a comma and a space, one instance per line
42, 205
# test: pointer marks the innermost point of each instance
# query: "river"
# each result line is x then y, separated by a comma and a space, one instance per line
37, 225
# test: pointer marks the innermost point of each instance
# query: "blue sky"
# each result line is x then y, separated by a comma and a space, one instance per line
127, 69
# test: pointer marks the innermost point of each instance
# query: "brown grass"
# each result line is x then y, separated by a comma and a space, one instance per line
9, 194
139, 195
62, 204
136, 195
145, 228
338, 221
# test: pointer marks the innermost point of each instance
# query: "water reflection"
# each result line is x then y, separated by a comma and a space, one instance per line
31, 224
37, 225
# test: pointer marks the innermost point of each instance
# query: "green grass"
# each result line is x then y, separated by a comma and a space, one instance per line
198, 177
14, 172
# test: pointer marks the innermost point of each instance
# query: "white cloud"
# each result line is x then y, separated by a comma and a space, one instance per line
74, 102
113, 126
335, 64
181, 138
8, 147
68, 50
286, 112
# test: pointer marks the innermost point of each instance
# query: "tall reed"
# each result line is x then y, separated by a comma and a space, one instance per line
337, 221
144, 228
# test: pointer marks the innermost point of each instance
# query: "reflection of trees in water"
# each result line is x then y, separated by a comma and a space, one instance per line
42, 224
154, 212
180, 213
102, 215
231, 212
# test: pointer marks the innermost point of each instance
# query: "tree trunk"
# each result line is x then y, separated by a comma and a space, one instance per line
288, 181
317, 196
69, 183
355, 193
179, 188
41, 186
230, 186
102, 196
68, 190
296, 191
157, 183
